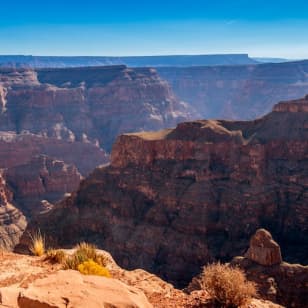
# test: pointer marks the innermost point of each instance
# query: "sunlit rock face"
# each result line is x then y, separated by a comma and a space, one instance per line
87, 104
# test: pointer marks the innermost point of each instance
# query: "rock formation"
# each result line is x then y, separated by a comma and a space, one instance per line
34, 282
73, 116
18, 150
277, 281
12, 221
41, 179
87, 104
83, 291
173, 200
263, 249
237, 92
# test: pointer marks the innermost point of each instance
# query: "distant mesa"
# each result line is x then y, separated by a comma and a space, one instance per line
132, 61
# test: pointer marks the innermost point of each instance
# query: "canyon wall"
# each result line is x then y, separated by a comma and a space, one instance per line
173, 200
12, 221
58, 124
237, 92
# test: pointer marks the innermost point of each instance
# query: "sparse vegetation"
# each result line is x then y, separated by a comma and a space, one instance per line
55, 256
84, 252
227, 286
92, 268
37, 245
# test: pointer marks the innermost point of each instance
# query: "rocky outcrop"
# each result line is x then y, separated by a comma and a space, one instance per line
73, 116
71, 289
88, 104
21, 149
41, 179
263, 249
12, 221
277, 281
237, 92
173, 200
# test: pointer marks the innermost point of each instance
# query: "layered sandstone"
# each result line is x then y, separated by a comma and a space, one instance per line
238, 92
42, 180
12, 221
173, 200
73, 116
21, 149
87, 104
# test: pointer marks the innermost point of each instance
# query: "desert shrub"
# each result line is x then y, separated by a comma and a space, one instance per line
55, 256
92, 268
226, 285
84, 252
37, 245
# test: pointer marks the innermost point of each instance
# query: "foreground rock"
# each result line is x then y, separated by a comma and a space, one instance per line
71, 289
174, 200
25, 282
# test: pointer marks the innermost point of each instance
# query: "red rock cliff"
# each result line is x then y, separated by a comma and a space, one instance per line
173, 200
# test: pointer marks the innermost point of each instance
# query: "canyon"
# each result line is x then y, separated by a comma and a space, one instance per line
57, 125
242, 92
176, 199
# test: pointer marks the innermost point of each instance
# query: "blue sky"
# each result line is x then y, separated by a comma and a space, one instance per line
273, 28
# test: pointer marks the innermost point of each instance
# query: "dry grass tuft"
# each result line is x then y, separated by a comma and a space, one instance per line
55, 256
84, 252
227, 286
37, 246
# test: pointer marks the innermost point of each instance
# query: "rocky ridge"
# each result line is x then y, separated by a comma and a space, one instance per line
193, 185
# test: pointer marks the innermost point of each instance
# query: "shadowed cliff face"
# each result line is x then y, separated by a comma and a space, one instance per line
173, 200
12, 221
238, 92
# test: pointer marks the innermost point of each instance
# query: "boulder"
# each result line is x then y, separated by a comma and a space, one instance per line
72, 289
263, 249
